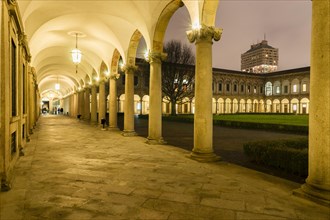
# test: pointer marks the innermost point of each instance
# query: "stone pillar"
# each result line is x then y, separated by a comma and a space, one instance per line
51, 107
203, 118
101, 101
317, 186
87, 109
129, 101
81, 103
155, 99
113, 124
94, 105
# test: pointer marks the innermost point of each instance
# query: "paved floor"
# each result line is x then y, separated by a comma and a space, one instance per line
72, 170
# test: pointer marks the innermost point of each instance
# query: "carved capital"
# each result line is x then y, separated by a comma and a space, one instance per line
128, 68
156, 57
205, 33
114, 76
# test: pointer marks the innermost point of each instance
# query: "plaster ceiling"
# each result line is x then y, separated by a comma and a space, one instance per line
107, 24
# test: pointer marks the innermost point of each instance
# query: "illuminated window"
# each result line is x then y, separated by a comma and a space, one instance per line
304, 87
255, 89
277, 90
294, 88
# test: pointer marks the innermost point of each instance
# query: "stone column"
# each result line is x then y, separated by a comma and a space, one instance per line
94, 105
317, 186
113, 124
81, 103
203, 118
101, 101
155, 99
87, 109
129, 101
51, 107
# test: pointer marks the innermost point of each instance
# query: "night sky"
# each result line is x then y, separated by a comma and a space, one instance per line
286, 23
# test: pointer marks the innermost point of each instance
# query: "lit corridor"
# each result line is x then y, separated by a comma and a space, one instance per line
72, 170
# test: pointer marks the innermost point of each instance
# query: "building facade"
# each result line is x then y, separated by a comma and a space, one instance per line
260, 58
234, 92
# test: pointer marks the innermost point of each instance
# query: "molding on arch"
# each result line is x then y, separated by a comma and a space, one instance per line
209, 12
132, 48
162, 22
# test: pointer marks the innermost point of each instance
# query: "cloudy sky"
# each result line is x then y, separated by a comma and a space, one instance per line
286, 23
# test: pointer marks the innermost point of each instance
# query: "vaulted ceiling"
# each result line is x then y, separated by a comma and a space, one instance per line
103, 26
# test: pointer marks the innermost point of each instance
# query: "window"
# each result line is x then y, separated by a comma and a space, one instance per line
294, 88
227, 87
248, 89
268, 89
220, 87
255, 90
242, 88
261, 90
13, 143
13, 80
123, 79
286, 89
277, 90
304, 87
235, 87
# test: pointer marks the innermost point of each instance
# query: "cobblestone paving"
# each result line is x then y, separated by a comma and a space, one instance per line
72, 170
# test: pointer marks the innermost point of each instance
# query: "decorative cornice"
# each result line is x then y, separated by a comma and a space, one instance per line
24, 42
205, 33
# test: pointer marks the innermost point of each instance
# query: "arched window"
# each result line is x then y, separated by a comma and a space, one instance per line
268, 89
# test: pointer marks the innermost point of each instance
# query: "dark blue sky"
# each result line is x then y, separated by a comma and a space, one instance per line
286, 23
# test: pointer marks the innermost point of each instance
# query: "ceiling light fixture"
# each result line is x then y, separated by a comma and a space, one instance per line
76, 53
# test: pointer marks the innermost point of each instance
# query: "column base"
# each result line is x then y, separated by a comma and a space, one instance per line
113, 129
5, 186
204, 157
159, 141
129, 133
314, 194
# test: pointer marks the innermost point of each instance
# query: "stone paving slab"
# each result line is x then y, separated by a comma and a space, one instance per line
72, 170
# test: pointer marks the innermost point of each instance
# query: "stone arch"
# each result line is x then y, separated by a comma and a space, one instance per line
214, 106
145, 104
163, 20
255, 106
261, 105
121, 101
285, 106
209, 11
304, 108
235, 106
104, 70
133, 45
137, 104
221, 106
228, 107
248, 107
268, 105
241, 107
115, 62
295, 107
276, 106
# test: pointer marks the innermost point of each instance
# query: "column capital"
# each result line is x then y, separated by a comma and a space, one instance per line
204, 33
129, 68
114, 76
156, 57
